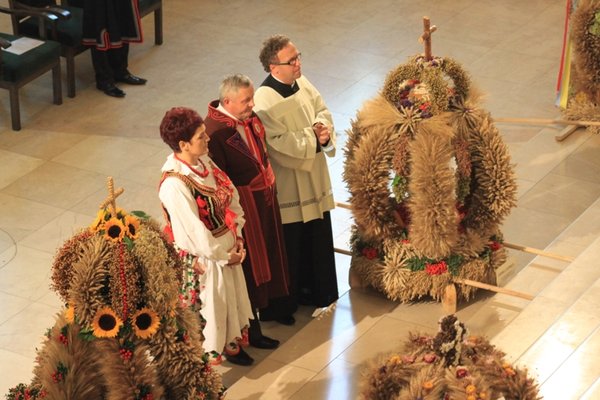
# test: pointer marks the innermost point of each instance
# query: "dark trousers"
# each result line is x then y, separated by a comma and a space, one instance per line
311, 261
110, 64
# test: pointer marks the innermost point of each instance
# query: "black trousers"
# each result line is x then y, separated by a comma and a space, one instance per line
311, 261
110, 64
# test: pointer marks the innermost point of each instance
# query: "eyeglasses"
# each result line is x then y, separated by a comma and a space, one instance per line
291, 61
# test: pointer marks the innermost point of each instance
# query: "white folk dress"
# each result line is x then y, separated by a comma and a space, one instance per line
194, 204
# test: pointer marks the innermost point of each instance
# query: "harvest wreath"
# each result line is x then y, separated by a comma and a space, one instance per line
449, 365
430, 181
126, 333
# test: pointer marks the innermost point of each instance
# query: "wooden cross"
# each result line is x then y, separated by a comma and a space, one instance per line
111, 200
426, 37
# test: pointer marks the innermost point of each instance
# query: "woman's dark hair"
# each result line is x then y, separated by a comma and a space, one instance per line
179, 123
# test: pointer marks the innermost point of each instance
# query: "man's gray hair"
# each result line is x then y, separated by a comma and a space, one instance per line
231, 84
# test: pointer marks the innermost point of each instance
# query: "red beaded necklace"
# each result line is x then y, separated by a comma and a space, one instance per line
202, 174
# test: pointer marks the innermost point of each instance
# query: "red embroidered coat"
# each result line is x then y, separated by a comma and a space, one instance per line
265, 267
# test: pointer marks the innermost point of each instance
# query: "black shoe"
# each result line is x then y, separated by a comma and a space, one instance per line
241, 358
131, 80
265, 342
111, 90
286, 320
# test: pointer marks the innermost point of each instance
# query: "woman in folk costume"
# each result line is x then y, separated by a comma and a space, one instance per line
205, 220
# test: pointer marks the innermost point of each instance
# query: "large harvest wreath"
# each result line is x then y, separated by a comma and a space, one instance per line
585, 36
449, 365
430, 181
126, 334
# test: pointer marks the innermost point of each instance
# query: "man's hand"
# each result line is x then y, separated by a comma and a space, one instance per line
322, 133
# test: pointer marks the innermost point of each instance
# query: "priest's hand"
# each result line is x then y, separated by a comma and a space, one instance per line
322, 132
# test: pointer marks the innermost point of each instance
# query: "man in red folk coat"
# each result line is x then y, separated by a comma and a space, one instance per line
237, 145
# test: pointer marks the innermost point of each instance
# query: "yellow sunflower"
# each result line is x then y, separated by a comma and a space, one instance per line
106, 323
133, 226
120, 212
98, 222
145, 323
70, 314
114, 230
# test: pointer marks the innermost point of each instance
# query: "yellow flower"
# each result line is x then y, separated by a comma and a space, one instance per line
120, 213
98, 222
483, 395
106, 323
70, 314
114, 230
470, 389
145, 323
471, 397
133, 226
427, 385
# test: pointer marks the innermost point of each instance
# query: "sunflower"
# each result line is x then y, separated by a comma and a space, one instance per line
133, 226
98, 222
106, 323
145, 323
114, 230
70, 314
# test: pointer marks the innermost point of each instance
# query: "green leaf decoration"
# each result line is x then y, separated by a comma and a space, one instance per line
141, 215
128, 242
87, 334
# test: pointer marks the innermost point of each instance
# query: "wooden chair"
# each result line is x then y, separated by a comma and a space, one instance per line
154, 6
16, 70
64, 27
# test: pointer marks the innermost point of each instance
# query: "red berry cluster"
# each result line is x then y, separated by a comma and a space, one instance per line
495, 245
125, 354
437, 268
370, 253
57, 376
148, 397
63, 339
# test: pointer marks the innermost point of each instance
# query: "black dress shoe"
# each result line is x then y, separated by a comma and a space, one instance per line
286, 320
131, 80
265, 342
111, 90
241, 358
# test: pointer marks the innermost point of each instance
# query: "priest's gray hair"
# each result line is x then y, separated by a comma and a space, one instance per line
231, 84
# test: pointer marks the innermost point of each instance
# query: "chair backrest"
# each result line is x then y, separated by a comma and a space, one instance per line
21, 4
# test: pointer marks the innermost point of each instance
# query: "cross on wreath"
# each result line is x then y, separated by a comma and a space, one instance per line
111, 199
425, 38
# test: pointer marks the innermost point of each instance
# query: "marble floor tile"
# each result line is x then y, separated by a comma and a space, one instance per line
271, 380
50, 237
28, 273
20, 217
576, 374
26, 328
14, 369
56, 184
336, 381
14, 166
105, 155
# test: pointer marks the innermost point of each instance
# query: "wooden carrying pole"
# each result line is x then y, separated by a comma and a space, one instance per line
546, 121
493, 288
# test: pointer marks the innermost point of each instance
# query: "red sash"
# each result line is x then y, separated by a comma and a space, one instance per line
255, 241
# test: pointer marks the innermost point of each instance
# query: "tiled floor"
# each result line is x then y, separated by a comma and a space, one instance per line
53, 177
